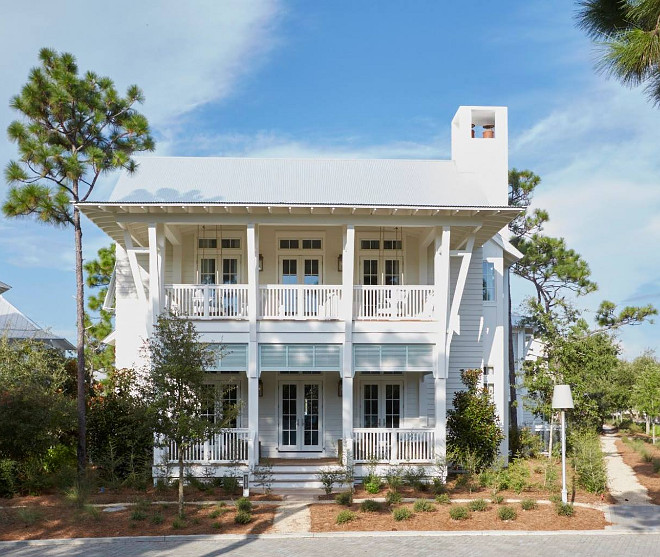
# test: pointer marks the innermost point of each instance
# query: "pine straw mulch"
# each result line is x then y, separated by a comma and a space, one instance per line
542, 518
50, 522
643, 470
129, 495
535, 489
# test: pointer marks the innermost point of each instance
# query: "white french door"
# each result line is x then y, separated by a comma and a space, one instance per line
300, 427
382, 404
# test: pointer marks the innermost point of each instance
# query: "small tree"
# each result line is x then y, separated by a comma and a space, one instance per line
473, 429
176, 387
646, 392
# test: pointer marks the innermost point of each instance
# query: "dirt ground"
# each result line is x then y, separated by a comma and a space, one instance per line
42, 521
643, 470
535, 489
543, 518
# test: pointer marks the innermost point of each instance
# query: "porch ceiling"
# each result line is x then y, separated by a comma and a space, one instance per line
116, 218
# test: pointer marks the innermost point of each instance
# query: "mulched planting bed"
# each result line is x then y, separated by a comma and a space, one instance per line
47, 522
543, 518
643, 470
535, 488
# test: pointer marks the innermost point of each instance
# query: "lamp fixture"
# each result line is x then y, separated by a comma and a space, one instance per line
261, 262
261, 388
340, 263
340, 388
563, 400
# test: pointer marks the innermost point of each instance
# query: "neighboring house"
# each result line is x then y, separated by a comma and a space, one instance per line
16, 326
349, 294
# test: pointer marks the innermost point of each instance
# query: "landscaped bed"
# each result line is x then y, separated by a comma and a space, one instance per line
43, 521
644, 470
544, 517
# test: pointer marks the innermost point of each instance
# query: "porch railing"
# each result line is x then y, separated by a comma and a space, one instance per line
299, 301
393, 445
208, 301
230, 445
394, 303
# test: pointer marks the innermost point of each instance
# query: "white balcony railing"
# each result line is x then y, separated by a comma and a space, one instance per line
208, 301
394, 303
393, 445
299, 301
230, 445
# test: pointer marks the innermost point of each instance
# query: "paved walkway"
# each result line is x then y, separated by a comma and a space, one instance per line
418, 544
621, 479
292, 517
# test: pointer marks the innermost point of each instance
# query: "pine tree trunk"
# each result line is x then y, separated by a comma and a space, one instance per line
80, 374
513, 411
180, 451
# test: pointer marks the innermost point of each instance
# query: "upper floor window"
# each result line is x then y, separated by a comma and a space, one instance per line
311, 244
289, 244
489, 281
392, 244
231, 243
207, 243
369, 244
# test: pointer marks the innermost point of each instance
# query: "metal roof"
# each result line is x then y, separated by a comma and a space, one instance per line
345, 182
16, 326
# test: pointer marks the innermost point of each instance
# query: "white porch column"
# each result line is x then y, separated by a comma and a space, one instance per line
156, 272
348, 263
253, 346
441, 273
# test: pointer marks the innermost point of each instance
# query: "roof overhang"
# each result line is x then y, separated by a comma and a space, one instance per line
117, 218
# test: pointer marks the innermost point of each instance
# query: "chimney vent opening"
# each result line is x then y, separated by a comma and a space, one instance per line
483, 124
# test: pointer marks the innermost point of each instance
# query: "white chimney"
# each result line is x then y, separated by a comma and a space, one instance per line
480, 149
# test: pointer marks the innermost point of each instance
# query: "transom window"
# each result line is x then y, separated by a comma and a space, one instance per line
306, 243
231, 243
311, 244
207, 243
392, 244
369, 244
488, 281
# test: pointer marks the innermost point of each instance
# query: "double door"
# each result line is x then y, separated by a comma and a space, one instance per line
300, 270
300, 427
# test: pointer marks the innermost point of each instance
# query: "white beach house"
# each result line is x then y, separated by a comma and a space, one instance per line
348, 294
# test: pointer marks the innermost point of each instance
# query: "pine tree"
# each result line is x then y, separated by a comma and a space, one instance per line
72, 130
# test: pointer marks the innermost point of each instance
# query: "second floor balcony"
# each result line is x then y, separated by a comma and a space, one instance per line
302, 302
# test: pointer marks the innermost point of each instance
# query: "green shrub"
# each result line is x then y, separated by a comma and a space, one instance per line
656, 465
415, 477
588, 462
423, 506
402, 513
242, 517
393, 497
29, 515
497, 499
564, 509
157, 518
646, 456
488, 478
370, 506
528, 504
518, 475
345, 498
216, 525
345, 516
443, 499
244, 505
8, 473
459, 513
473, 429
179, 523
507, 513
218, 511
478, 505
230, 484
438, 485
329, 477
138, 514
393, 479
372, 484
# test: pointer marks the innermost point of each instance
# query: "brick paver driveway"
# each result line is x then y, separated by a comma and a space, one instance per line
556, 545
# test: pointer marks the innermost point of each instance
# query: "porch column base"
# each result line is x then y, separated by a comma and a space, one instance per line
253, 421
440, 395
347, 419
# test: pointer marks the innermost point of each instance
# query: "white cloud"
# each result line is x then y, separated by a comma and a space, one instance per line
597, 157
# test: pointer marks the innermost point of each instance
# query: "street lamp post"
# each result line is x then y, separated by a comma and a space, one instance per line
563, 400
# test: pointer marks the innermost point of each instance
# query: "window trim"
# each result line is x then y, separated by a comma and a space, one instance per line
493, 301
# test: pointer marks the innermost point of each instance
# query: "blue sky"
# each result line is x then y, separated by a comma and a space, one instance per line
358, 79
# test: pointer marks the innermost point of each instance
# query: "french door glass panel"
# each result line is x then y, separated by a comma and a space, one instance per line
230, 271
370, 272
207, 271
300, 418
381, 405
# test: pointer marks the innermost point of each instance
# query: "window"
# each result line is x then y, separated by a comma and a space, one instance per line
392, 244
289, 244
392, 272
229, 406
207, 243
207, 271
369, 244
489, 281
489, 380
370, 274
219, 401
311, 244
230, 271
231, 243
